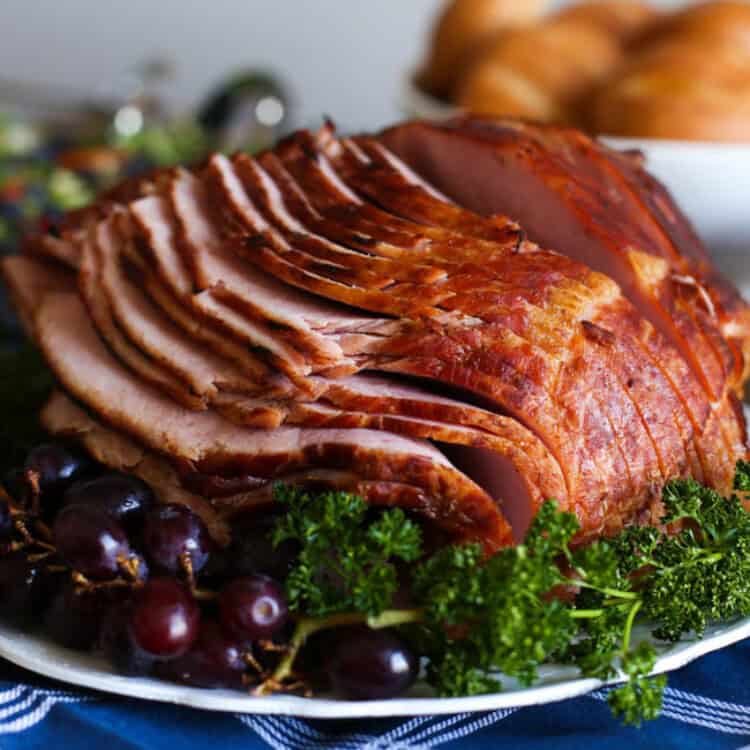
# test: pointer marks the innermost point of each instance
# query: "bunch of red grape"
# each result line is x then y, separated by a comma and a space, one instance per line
90, 555
101, 565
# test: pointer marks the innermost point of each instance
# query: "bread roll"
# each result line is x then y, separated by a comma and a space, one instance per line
691, 80
678, 55
624, 19
723, 22
462, 27
679, 90
652, 108
496, 90
539, 72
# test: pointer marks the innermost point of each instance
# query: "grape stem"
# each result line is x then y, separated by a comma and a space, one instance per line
307, 626
83, 583
32, 479
28, 539
203, 595
38, 557
130, 566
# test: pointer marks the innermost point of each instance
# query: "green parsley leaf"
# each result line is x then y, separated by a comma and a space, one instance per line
345, 564
500, 606
639, 699
742, 476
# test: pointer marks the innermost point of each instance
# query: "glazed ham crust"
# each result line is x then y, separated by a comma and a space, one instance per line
381, 314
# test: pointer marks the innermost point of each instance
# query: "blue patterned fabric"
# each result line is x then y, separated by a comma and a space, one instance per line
707, 705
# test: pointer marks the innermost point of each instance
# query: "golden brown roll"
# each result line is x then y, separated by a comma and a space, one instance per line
539, 72
725, 22
462, 27
690, 80
681, 90
675, 54
652, 108
625, 19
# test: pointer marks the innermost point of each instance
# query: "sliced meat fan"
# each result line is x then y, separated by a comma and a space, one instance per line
463, 319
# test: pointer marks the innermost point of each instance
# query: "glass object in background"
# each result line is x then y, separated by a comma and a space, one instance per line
247, 112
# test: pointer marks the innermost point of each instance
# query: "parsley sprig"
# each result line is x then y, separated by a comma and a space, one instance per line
347, 561
480, 620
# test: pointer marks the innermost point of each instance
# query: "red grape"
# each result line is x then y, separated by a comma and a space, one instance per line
24, 587
124, 497
6, 521
58, 465
371, 665
252, 551
172, 532
117, 645
75, 616
253, 608
90, 542
165, 619
214, 661
14, 483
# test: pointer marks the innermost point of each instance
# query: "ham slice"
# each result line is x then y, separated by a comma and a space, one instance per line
63, 418
596, 207
28, 280
308, 324
391, 186
613, 219
317, 177
359, 402
154, 333
213, 445
155, 244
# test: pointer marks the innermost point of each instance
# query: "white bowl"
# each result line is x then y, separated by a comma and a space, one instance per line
709, 181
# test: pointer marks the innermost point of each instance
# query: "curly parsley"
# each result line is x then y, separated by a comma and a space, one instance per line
478, 620
347, 561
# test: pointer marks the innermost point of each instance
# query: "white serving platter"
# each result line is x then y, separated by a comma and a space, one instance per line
709, 181
37, 654
557, 683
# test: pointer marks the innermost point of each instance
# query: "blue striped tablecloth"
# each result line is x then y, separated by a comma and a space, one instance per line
707, 705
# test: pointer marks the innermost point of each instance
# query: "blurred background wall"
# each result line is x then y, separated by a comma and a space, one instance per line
344, 58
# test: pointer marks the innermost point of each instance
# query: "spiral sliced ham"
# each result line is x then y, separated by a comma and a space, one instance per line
371, 314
